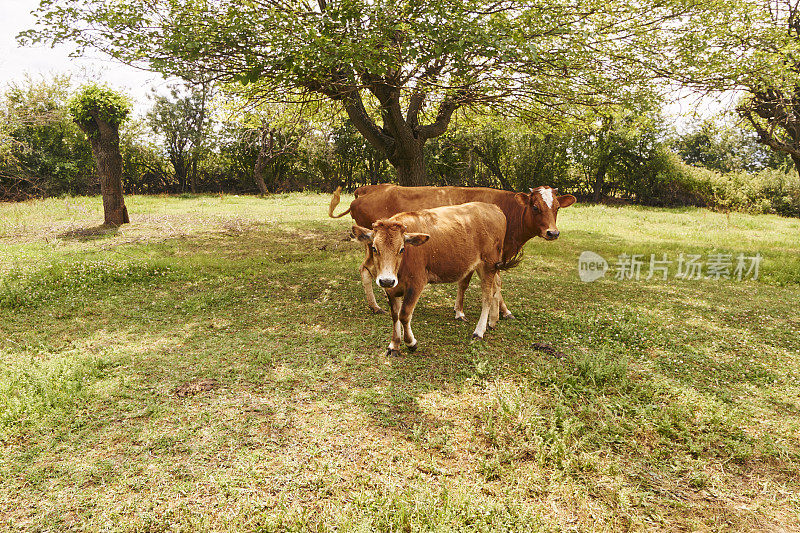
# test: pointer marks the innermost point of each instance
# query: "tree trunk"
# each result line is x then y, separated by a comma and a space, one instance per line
494, 168
796, 161
372, 170
179, 164
260, 171
599, 181
193, 174
402, 138
105, 148
411, 172
409, 161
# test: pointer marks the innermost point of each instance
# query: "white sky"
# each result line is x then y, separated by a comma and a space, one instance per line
16, 61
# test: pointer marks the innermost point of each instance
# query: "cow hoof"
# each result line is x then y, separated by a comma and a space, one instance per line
392, 353
476, 336
413, 348
509, 316
490, 327
462, 318
377, 311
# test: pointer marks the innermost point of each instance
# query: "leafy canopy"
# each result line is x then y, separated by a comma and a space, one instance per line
95, 102
547, 52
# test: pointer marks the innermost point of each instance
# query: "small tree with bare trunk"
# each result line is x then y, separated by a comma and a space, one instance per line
272, 142
99, 112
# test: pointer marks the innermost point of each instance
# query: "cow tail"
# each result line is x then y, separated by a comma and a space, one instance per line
511, 263
335, 201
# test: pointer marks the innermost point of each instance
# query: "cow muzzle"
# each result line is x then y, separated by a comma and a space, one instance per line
387, 283
552, 234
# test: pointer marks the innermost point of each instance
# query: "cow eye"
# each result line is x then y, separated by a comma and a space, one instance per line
374, 250
536, 209
402, 250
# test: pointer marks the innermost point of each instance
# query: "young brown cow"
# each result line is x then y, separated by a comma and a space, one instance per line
528, 215
441, 245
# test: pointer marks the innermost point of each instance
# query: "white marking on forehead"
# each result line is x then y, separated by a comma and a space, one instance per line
547, 195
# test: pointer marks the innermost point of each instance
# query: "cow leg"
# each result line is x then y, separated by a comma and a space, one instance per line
462, 288
397, 328
494, 311
410, 299
488, 296
366, 280
504, 312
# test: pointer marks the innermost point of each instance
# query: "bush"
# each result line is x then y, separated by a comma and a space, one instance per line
770, 190
663, 180
42, 152
767, 191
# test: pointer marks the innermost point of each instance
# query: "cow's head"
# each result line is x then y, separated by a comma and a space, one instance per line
387, 240
543, 203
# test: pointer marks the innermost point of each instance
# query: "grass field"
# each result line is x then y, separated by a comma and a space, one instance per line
668, 405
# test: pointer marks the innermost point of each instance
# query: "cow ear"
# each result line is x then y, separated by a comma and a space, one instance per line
415, 239
566, 200
362, 234
522, 198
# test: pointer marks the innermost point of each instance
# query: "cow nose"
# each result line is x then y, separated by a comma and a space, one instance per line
552, 234
386, 283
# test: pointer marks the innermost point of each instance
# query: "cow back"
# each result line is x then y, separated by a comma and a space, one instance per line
461, 236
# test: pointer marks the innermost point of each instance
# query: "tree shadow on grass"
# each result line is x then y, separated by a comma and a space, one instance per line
93, 233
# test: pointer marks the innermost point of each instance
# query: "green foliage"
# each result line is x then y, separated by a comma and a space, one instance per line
184, 123
750, 47
95, 102
725, 147
43, 151
766, 191
400, 69
354, 159
513, 156
145, 169
488, 48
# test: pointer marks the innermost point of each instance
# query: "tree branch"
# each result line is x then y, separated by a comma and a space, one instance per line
439, 126
354, 106
414, 107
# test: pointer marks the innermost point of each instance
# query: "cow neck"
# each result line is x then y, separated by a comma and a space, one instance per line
517, 233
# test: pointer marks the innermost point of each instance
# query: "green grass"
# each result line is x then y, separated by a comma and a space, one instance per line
676, 405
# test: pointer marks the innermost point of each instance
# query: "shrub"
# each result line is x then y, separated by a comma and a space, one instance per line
770, 190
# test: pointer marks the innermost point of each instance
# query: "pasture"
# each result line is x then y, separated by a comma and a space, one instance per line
607, 406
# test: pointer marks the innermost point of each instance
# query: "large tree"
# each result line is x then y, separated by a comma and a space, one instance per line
399, 68
749, 48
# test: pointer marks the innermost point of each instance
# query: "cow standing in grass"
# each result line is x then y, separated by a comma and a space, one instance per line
528, 215
441, 245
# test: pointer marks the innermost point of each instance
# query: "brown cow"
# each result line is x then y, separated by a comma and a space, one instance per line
528, 215
441, 245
